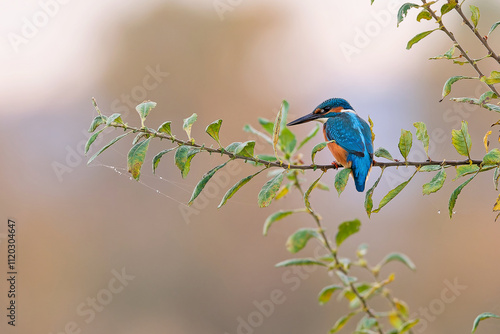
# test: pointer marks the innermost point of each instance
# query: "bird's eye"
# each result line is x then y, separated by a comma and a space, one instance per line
326, 109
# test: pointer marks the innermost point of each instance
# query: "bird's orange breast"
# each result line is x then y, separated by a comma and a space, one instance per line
338, 152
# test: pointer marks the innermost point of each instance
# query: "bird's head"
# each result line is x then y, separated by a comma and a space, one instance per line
326, 109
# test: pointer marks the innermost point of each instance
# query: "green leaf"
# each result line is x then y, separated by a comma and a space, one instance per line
318, 148
213, 130
269, 190
491, 107
424, 15
481, 317
157, 158
300, 262
92, 140
461, 140
397, 257
430, 168
418, 38
365, 324
245, 149
326, 293
465, 170
346, 229
250, 129
188, 124
393, 193
456, 192
403, 11
322, 186
494, 78
115, 118
144, 109
277, 127
284, 115
310, 136
422, 135
275, 217
341, 179
183, 157
407, 326
492, 157
450, 82
447, 7
369, 195
465, 100
107, 146
136, 156
165, 128
297, 241
475, 15
267, 125
496, 177
237, 187
383, 153
287, 141
309, 190
342, 322
493, 27
203, 182
405, 143
98, 120
489, 95
231, 148
436, 183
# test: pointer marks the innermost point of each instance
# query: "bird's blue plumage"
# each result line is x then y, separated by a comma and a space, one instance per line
353, 146
353, 135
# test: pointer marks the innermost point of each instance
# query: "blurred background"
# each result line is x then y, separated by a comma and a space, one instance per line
209, 270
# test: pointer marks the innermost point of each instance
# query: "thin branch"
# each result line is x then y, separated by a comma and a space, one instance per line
483, 40
278, 164
336, 261
458, 46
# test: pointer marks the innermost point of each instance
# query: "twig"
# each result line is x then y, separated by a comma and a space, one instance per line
293, 167
336, 261
457, 45
483, 40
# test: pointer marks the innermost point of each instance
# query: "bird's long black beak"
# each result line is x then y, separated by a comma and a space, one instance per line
304, 119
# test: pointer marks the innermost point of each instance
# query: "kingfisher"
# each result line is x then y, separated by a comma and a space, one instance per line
352, 136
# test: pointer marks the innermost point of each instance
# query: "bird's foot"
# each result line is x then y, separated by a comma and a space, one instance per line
335, 165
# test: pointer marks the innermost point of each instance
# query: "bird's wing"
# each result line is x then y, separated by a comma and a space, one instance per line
348, 133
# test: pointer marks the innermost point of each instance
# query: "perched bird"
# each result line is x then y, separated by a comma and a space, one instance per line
353, 146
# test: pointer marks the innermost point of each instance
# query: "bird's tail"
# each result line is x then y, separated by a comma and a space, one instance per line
360, 169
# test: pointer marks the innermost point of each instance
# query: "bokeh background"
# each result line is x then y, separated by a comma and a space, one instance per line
202, 270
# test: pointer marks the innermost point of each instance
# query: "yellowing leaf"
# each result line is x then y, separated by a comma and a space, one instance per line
213, 130
341, 179
450, 82
270, 189
405, 143
486, 141
136, 156
299, 239
188, 124
418, 38
436, 183
422, 135
346, 229
461, 140
475, 15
